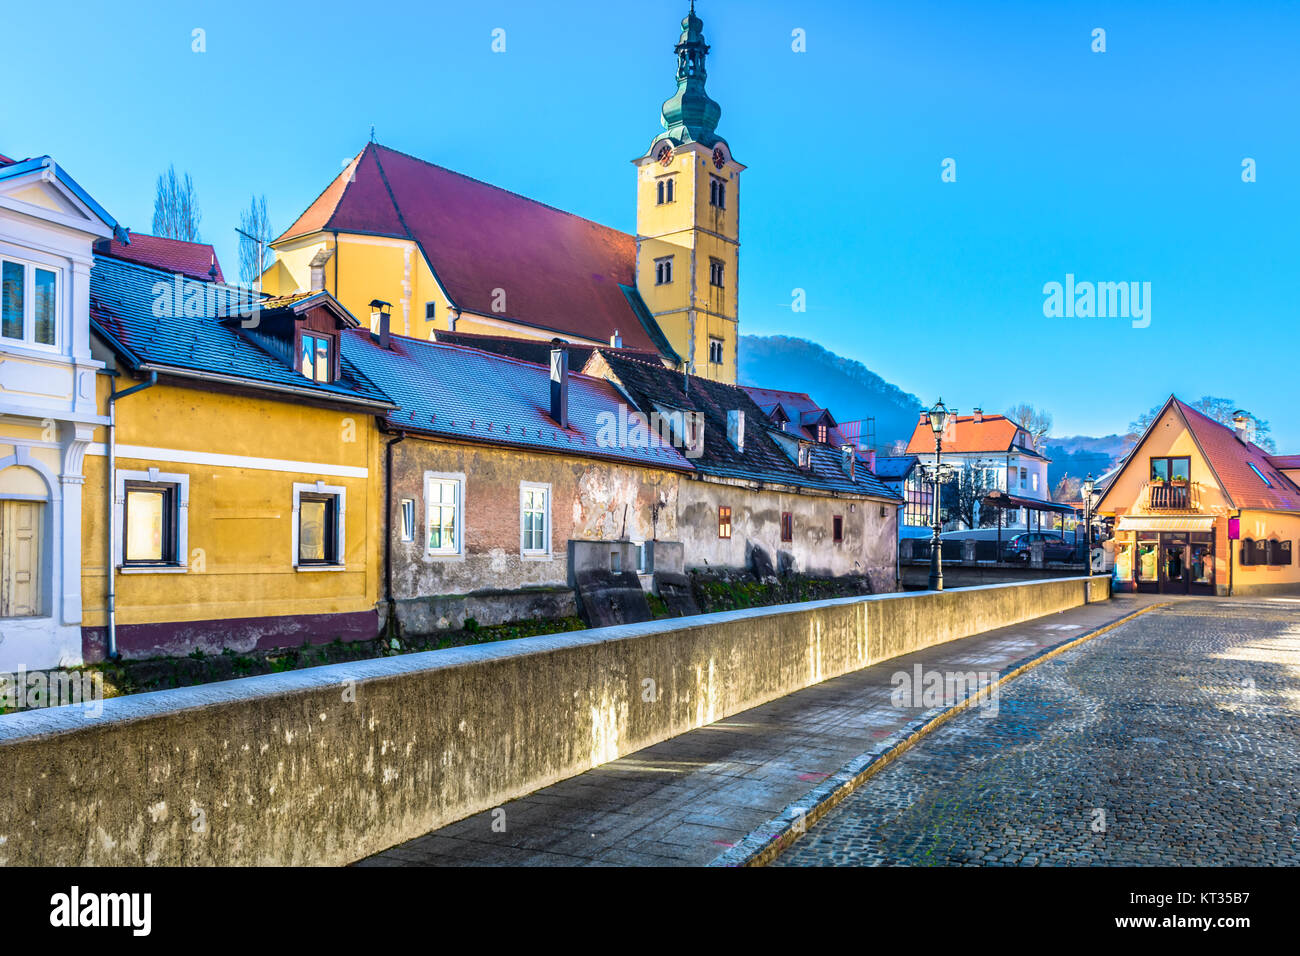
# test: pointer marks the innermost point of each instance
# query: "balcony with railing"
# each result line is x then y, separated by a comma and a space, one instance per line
1172, 496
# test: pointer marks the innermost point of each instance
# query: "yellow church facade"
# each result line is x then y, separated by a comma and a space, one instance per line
449, 253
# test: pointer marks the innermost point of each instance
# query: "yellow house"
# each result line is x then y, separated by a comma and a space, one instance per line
1200, 509
451, 253
235, 498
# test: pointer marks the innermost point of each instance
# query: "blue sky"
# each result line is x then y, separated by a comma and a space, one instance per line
1115, 166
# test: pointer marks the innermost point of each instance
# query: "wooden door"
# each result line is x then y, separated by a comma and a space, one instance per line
20, 558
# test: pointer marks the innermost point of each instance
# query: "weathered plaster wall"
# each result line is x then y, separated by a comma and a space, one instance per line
330, 764
590, 500
870, 537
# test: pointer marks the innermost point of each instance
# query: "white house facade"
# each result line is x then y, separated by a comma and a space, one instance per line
994, 445
48, 412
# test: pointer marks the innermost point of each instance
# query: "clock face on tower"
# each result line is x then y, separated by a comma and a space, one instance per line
665, 156
719, 157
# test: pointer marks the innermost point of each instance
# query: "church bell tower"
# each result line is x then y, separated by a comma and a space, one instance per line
688, 218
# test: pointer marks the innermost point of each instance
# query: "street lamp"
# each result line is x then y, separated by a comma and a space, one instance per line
938, 419
1088, 486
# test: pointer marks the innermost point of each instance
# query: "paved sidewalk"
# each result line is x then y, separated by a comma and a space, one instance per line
687, 800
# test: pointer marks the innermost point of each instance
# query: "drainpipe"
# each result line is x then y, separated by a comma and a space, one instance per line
388, 530
113, 396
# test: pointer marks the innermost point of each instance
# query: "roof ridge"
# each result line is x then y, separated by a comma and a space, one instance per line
712, 381
134, 264
149, 235
333, 179
469, 348
510, 192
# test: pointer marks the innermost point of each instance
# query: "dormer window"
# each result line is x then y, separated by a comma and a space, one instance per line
822, 433
805, 455
315, 359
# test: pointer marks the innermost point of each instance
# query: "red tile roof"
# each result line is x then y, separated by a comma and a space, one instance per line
800, 409
559, 272
1284, 461
1231, 459
996, 433
192, 259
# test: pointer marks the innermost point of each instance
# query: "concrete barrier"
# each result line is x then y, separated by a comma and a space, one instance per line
330, 764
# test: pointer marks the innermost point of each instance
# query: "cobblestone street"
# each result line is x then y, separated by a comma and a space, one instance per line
1173, 739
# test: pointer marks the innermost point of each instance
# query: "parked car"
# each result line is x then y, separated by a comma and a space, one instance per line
1056, 547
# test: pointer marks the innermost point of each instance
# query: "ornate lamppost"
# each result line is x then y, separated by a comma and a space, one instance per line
938, 419
1088, 486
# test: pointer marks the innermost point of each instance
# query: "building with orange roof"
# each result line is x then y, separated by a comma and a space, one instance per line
1199, 508
995, 448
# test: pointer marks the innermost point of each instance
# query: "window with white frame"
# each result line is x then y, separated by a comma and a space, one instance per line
408, 519
664, 270
444, 503
715, 350
29, 302
319, 511
152, 510
534, 519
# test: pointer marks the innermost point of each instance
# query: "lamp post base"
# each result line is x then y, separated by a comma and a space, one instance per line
936, 563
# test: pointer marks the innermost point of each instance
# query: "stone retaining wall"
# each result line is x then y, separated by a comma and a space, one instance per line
330, 764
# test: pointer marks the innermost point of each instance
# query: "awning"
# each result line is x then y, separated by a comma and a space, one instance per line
1160, 523
1000, 499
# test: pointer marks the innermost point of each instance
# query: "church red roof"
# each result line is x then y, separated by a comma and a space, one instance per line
556, 271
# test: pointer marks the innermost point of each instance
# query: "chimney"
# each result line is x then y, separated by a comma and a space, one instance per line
318, 268
1241, 424
979, 415
379, 321
848, 460
560, 382
925, 418
871, 461
616, 340
736, 429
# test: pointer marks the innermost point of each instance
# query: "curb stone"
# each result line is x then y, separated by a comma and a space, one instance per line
766, 842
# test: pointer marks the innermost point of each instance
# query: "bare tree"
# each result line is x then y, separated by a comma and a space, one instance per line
254, 241
960, 498
176, 207
1036, 423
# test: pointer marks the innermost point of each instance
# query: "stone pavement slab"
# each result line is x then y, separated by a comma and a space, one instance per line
687, 800
1173, 740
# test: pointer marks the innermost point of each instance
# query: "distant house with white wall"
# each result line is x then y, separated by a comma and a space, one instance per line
48, 227
994, 445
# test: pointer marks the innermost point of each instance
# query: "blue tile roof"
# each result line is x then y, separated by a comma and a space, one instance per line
461, 392
122, 300
894, 467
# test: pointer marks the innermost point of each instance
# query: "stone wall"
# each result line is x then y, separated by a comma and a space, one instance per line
331, 764
870, 531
